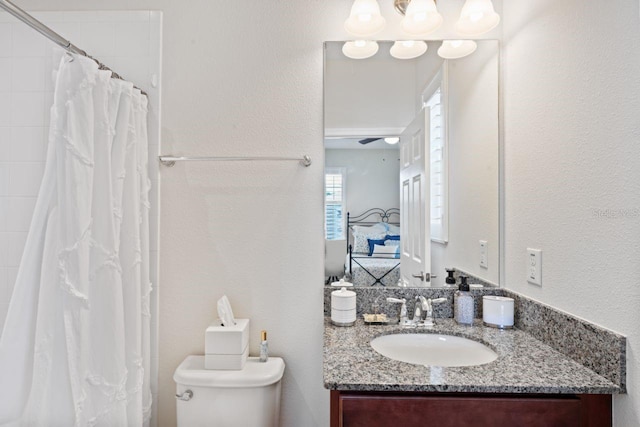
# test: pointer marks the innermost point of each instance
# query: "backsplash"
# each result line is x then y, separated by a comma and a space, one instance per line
599, 349
366, 296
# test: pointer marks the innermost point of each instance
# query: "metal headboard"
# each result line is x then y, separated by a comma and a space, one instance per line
371, 217
374, 216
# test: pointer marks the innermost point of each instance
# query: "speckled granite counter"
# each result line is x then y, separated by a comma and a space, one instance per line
524, 364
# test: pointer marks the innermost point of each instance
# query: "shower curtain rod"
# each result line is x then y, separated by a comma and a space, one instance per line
53, 36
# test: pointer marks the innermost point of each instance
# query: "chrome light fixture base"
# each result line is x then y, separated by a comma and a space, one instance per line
401, 6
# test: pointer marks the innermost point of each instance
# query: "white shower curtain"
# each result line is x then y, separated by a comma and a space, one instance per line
75, 346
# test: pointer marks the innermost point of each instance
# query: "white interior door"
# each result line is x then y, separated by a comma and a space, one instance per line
415, 253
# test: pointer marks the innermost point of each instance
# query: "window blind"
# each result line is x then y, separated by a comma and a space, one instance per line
334, 184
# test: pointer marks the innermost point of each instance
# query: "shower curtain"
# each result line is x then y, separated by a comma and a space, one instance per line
75, 347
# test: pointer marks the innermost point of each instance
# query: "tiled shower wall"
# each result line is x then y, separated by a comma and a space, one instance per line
129, 43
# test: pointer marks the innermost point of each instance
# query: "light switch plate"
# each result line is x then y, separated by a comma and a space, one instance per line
534, 266
484, 262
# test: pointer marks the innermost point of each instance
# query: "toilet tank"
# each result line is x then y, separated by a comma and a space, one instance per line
249, 397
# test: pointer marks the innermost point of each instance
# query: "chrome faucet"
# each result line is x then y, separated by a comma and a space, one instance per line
420, 307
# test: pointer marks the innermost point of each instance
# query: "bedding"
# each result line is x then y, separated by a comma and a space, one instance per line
361, 235
378, 267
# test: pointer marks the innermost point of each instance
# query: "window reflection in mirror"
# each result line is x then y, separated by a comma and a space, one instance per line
370, 99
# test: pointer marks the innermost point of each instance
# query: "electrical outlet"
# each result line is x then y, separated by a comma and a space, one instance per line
534, 266
484, 262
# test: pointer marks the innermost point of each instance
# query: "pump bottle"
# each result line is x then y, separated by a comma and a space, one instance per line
463, 303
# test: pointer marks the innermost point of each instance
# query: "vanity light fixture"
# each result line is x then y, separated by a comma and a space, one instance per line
392, 140
454, 49
477, 17
365, 19
360, 49
408, 49
421, 17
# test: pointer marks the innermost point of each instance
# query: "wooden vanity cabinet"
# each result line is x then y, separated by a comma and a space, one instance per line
390, 409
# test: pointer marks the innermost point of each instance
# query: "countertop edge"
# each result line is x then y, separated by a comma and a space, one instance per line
473, 389
346, 351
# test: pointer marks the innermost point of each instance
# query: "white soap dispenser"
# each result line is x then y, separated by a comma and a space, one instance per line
463, 303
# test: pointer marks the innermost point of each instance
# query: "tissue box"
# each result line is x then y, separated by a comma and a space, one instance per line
226, 347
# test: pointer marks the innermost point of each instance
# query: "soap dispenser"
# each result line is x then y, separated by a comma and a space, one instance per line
463, 303
450, 280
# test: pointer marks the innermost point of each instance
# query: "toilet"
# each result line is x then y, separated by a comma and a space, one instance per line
249, 397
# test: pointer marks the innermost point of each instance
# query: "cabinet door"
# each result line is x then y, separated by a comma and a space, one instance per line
423, 410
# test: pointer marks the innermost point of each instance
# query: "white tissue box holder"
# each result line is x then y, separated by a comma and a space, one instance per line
226, 347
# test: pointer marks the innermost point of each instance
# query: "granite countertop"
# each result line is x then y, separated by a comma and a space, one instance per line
524, 364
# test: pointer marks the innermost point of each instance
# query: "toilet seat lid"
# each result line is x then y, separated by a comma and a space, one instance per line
255, 373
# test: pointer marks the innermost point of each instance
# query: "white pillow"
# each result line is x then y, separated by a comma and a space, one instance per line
385, 250
393, 229
378, 228
362, 232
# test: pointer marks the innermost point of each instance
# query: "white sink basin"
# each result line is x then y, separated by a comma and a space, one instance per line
433, 349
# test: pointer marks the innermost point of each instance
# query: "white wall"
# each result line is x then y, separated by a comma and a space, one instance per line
245, 82
473, 143
572, 173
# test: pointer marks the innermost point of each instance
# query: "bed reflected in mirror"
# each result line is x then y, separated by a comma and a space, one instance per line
411, 167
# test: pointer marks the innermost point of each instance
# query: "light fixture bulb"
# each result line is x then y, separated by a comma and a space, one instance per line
421, 18
454, 49
418, 17
408, 49
365, 19
477, 17
392, 140
360, 49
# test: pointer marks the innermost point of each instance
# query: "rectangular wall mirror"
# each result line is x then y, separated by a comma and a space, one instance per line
411, 166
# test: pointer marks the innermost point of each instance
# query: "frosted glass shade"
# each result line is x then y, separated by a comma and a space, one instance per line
408, 49
360, 49
365, 18
477, 17
421, 17
454, 49
392, 140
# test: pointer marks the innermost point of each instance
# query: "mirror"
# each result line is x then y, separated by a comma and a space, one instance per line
366, 100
